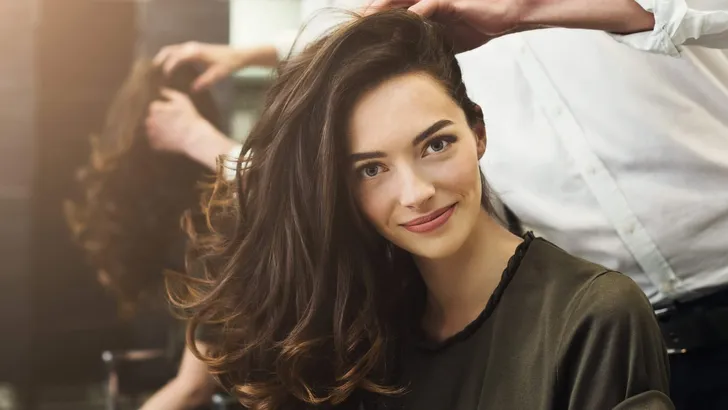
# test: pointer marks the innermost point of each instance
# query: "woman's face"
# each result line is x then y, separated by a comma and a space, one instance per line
415, 163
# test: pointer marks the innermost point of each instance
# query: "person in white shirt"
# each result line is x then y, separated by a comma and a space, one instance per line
613, 146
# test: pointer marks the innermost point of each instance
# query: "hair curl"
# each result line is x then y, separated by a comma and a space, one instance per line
128, 220
308, 300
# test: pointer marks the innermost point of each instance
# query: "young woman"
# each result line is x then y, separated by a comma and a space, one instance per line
128, 220
355, 261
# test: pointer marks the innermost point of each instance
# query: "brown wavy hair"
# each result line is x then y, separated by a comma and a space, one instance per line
128, 218
310, 303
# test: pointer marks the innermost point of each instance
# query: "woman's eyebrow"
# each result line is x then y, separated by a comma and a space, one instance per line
430, 130
437, 126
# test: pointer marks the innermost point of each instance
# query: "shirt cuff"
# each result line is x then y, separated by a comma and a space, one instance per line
230, 162
667, 33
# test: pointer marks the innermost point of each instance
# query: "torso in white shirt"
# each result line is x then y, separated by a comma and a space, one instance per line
657, 124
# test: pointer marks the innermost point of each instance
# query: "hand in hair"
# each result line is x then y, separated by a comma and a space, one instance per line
472, 23
172, 122
128, 219
174, 125
219, 60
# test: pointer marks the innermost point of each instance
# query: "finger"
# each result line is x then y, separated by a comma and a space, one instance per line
151, 129
153, 107
381, 5
427, 8
209, 77
185, 53
156, 107
149, 124
163, 54
377, 5
173, 95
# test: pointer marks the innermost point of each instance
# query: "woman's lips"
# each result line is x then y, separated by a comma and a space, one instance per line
430, 222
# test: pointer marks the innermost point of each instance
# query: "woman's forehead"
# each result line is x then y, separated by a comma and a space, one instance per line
399, 108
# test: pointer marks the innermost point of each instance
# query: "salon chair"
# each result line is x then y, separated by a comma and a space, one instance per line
134, 374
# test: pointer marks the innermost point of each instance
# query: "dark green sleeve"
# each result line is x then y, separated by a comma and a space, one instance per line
611, 348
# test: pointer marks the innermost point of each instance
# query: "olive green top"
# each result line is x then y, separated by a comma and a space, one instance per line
558, 333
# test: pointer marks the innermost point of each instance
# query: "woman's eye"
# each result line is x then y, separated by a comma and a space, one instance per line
438, 145
370, 171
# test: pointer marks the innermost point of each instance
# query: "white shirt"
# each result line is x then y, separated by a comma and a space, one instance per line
617, 155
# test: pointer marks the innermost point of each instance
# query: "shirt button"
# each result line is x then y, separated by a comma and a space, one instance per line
668, 287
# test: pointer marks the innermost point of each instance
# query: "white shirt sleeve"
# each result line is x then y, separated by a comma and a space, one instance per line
681, 22
317, 18
230, 162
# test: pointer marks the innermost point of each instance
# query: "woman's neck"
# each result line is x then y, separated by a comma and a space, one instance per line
459, 286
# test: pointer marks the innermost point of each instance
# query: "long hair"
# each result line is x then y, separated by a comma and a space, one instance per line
309, 302
128, 219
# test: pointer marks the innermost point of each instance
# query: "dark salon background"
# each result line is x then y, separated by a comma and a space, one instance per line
62, 61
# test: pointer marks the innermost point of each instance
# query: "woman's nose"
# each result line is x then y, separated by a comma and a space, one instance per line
414, 189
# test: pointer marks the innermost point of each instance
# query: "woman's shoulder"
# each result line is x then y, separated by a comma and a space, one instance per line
612, 299
553, 266
552, 260
588, 292
578, 283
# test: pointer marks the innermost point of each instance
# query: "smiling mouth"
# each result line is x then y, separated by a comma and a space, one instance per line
431, 221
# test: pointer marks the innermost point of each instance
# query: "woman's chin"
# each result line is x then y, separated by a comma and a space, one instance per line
433, 248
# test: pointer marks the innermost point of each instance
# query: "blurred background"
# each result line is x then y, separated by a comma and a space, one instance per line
61, 61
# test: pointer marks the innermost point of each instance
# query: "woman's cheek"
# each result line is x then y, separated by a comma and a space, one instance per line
373, 204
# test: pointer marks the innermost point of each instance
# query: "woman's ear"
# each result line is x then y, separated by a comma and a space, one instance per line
479, 131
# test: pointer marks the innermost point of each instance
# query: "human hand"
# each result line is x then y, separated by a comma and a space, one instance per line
172, 123
219, 61
470, 23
